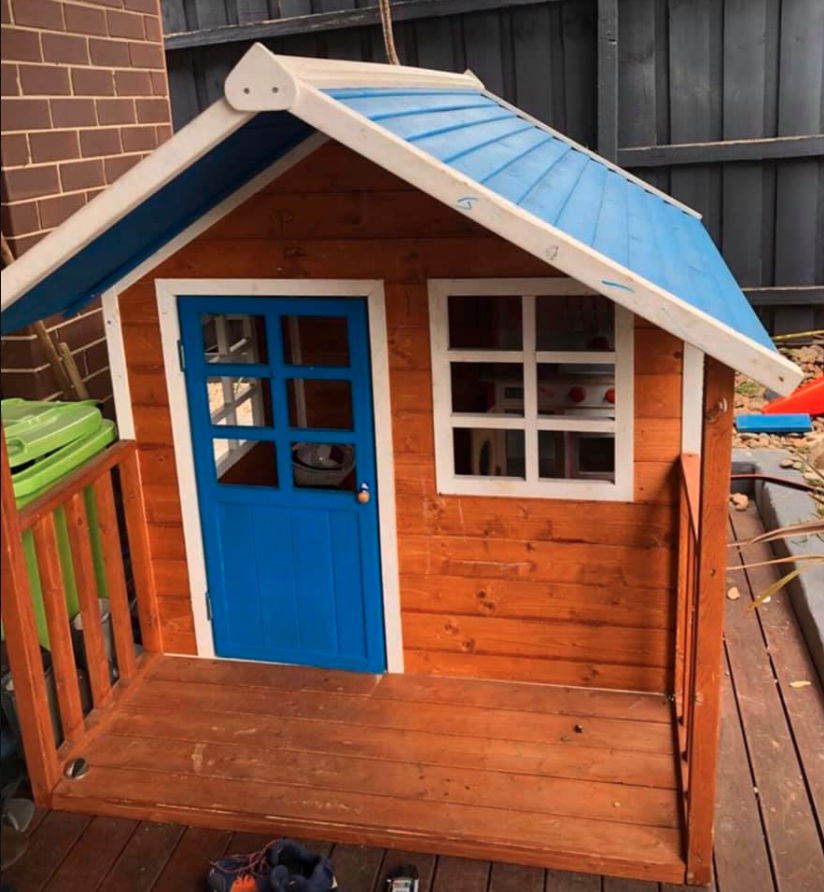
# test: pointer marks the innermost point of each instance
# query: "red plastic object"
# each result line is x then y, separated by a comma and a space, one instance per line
808, 399
577, 394
609, 396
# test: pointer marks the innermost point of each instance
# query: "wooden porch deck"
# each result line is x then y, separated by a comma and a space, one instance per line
568, 778
272, 750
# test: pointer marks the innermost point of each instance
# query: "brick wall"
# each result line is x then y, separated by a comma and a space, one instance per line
84, 97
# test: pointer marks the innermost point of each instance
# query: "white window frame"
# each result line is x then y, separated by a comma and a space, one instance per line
450, 483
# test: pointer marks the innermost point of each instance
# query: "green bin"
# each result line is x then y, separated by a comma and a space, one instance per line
46, 442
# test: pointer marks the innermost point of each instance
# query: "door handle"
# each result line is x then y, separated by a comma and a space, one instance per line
363, 493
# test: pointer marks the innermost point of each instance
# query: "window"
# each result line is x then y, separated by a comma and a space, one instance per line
532, 385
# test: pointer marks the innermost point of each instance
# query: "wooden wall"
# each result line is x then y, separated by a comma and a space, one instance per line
498, 588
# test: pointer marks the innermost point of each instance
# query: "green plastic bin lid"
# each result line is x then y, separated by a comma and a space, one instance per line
43, 474
37, 428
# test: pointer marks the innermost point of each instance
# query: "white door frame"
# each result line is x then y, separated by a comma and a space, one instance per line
168, 291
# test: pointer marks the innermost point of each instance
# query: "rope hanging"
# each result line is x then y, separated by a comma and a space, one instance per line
388, 33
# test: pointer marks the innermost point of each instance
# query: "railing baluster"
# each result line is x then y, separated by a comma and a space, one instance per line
136, 526
96, 660
57, 621
115, 578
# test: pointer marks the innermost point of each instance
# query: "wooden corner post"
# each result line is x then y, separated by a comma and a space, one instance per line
716, 462
23, 649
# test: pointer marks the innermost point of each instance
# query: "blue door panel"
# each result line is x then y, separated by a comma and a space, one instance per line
273, 556
243, 626
293, 568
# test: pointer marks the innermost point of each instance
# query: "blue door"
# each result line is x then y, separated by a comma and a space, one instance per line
280, 400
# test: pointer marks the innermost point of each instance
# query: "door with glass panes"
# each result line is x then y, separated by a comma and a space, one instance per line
280, 402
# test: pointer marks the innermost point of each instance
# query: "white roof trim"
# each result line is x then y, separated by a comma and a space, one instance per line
262, 81
133, 188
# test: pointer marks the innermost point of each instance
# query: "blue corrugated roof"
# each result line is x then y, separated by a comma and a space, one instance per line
582, 195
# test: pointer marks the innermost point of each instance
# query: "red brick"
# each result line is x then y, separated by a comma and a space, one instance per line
93, 193
94, 143
109, 52
20, 219
14, 149
66, 48
159, 85
53, 211
125, 24
25, 114
82, 175
93, 81
44, 14
20, 46
85, 20
73, 112
30, 182
9, 80
138, 139
112, 4
5, 12
133, 83
146, 55
116, 167
44, 80
164, 132
152, 111
149, 6
153, 31
19, 246
116, 111
54, 145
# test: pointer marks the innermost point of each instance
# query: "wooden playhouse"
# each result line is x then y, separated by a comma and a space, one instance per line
425, 417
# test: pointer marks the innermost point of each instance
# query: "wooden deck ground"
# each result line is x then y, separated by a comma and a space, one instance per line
771, 784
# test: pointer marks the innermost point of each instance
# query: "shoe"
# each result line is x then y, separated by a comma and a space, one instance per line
295, 869
242, 873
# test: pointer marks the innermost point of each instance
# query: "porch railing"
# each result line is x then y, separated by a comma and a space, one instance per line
55, 712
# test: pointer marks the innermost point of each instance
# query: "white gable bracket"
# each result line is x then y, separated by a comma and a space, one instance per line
262, 81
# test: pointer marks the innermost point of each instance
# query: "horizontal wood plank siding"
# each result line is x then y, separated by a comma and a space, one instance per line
526, 589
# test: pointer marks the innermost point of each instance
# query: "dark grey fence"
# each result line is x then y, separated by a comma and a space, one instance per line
718, 102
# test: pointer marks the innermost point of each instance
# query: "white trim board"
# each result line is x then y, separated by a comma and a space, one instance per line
445, 420
168, 290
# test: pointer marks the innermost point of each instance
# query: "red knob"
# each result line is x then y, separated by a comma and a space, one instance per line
577, 394
609, 396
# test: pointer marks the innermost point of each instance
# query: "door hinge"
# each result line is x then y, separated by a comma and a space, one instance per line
208, 605
181, 356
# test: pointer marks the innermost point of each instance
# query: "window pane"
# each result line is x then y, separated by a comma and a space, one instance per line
586, 391
565, 322
572, 455
234, 338
489, 453
485, 322
315, 341
246, 402
488, 387
325, 404
246, 462
324, 466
